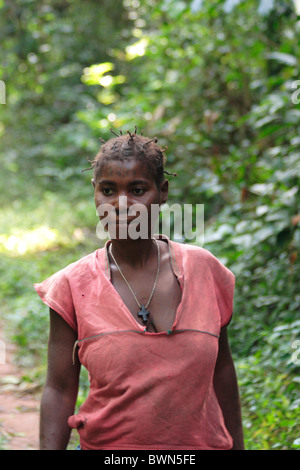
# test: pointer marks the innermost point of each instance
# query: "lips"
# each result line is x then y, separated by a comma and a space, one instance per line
126, 220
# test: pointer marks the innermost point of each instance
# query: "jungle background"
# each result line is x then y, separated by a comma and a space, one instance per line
216, 82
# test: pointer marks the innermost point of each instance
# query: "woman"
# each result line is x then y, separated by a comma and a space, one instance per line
147, 317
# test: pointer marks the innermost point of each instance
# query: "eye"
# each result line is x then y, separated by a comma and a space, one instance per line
138, 191
107, 191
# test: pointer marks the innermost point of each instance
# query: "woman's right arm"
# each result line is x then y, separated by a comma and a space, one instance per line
61, 388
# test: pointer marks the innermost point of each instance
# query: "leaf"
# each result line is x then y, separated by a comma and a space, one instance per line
282, 57
262, 234
93, 75
296, 443
265, 120
244, 241
262, 189
137, 49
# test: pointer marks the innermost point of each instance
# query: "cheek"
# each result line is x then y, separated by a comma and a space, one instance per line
101, 205
99, 197
155, 198
97, 200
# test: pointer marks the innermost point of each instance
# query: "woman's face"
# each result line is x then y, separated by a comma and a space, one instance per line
127, 198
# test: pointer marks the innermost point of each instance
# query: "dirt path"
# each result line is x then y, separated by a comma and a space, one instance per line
19, 407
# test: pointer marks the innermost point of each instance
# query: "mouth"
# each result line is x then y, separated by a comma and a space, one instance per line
125, 221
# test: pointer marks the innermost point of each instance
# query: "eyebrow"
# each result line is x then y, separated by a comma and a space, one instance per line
106, 182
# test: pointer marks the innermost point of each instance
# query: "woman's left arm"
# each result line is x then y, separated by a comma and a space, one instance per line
226, 388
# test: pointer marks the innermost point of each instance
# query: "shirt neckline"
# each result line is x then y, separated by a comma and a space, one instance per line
176, 263
174, 251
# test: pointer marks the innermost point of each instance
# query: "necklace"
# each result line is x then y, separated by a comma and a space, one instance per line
143, 312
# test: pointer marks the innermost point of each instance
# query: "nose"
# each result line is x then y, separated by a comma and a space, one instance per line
121, 205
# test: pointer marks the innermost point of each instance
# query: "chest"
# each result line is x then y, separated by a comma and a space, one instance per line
164, 302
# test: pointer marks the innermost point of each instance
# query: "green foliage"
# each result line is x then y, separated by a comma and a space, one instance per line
215, 81
269, 380
45, 47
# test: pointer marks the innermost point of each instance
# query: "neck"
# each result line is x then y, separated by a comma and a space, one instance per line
135, 253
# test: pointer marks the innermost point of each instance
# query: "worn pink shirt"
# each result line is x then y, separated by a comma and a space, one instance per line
147, 390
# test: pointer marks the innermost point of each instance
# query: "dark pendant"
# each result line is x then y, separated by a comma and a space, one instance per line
143, 313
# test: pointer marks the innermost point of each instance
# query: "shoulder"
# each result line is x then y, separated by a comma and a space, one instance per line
87, 264
195, 252
80, 271
203, 267
199, 258
60, 291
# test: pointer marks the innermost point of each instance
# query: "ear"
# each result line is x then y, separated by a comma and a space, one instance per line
164, 190
93, 182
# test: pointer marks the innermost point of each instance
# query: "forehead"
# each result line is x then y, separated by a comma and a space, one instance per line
129, 168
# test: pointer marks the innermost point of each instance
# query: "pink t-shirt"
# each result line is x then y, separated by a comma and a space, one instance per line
147, 390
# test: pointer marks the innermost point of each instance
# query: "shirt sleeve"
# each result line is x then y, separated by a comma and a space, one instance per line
224, 283
56, 293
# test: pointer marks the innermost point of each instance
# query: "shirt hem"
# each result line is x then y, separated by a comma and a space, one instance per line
158, 447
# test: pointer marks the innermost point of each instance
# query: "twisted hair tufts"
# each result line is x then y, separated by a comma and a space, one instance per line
129, 145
